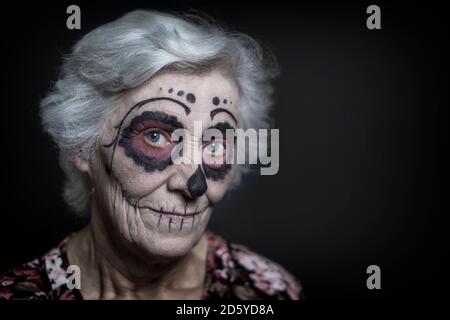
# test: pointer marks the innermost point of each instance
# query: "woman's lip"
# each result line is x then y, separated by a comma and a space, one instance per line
173, 213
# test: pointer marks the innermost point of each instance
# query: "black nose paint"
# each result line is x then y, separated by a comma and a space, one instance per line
197, 183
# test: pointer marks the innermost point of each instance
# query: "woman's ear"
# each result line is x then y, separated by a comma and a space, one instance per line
82, 164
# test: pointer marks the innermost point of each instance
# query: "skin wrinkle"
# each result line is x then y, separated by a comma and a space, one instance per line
134, 222
126, 208
137, 253
126, 216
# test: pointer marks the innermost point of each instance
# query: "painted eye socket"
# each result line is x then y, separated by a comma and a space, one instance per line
156, 138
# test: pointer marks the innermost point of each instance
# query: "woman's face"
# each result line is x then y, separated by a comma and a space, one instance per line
153, 203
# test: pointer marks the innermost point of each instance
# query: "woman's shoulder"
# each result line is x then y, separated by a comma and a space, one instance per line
24, 282
41, 278
247, 274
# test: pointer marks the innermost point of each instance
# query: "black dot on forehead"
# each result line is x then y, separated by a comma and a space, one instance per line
180, 93
190, 98
225, 101
215, 101
170, 90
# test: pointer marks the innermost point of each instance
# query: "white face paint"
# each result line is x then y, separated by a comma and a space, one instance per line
160, 207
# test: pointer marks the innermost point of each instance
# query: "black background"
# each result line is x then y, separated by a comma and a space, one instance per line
363, 127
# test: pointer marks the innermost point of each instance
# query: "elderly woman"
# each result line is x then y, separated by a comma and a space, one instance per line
123, 91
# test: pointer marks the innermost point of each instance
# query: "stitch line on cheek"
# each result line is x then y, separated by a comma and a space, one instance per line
181, 224
159, 220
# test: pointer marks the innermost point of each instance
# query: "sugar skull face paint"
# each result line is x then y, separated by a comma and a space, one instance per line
147, 140
164, 207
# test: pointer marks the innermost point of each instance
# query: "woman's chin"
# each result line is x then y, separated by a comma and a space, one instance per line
168, 244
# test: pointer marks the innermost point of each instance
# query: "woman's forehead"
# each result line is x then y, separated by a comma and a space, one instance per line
206, 97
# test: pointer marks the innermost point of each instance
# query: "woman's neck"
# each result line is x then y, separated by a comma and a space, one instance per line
113, 270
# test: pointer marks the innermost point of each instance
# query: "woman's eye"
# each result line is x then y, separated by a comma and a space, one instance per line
215, 148
214, 154
156, 138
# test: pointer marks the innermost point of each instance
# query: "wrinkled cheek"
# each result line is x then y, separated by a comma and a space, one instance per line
105, 189
126, 178
135, 180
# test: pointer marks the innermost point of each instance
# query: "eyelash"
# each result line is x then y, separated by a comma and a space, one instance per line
141, 144
163, 132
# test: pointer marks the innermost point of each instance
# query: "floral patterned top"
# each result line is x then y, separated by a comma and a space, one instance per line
233, 272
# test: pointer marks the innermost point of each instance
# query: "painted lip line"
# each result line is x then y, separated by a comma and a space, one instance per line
172, 213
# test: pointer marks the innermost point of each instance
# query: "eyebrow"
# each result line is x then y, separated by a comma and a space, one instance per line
219, 110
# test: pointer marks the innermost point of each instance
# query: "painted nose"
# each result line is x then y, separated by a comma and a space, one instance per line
196, 183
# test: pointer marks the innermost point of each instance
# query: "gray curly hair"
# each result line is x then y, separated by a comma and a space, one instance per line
125, 53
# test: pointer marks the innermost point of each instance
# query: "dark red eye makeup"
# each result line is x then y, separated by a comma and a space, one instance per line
154, 143
147, 139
